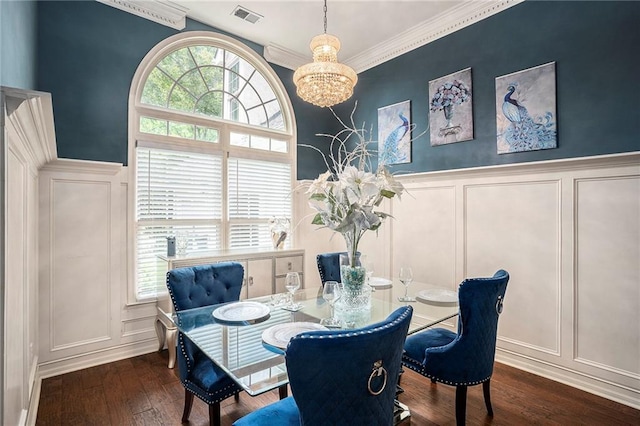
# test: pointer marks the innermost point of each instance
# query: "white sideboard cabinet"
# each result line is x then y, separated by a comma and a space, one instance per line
264, 274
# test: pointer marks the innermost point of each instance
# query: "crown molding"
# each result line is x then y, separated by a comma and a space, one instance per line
284, 57
159, 11
456, 18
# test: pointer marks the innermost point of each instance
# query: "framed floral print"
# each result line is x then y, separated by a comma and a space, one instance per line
451, 109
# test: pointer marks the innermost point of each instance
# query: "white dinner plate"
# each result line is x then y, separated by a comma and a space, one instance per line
280, 334
241, 312
438, 296
379, 282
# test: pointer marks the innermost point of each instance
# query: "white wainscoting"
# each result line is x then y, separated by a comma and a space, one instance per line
568, 232
28, 142
84, 316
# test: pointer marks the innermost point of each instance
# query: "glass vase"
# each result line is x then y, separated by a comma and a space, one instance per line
354, 306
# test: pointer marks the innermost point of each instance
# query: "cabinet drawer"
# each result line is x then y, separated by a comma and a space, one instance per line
288, 264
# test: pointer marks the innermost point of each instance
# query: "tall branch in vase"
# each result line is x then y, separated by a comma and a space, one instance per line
347, 197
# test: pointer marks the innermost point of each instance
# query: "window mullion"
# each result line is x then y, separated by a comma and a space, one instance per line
225, 194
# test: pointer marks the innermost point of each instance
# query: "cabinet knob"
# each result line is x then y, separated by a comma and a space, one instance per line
250, 280
289, 266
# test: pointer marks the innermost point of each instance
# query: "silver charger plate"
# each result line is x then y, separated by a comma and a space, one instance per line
280, 334
242, 312
438, 296
379, 282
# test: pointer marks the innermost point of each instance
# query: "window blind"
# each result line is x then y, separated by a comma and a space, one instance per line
177, 192
258, 190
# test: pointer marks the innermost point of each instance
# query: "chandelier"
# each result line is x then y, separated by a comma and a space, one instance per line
325, 82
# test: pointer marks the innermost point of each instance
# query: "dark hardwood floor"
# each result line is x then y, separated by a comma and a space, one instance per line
142, 391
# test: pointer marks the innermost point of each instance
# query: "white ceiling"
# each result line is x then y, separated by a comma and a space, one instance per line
371, 31
291, 25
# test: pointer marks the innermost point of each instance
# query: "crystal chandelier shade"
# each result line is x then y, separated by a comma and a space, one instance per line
325, 82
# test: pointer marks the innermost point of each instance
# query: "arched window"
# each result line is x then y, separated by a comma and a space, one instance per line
212, 151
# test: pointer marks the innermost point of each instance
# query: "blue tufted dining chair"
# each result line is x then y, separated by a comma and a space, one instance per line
194, 287
340, 377
329, 266
464, 358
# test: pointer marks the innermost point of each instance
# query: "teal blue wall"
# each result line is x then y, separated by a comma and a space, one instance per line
595, 45
88, 54
18, 31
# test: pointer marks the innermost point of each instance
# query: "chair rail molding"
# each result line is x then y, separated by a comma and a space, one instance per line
30, 113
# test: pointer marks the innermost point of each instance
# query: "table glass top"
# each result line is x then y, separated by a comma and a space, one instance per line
238, 348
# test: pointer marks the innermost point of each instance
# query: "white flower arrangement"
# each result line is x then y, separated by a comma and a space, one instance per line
346, 197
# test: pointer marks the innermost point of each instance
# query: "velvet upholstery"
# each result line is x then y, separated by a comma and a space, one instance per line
329, 373
281, 413
329, 266
194, 287
205, 285
466, 357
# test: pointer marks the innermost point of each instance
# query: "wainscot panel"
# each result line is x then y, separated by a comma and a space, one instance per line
568, 232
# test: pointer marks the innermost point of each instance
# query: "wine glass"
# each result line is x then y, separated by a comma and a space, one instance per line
331, 292
367, 263
292, 283
406, 276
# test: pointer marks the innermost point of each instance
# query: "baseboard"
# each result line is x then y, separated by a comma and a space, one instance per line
34, 401
570, 377
35, 383
99, 357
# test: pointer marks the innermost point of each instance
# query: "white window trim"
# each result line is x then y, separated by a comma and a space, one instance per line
136, 109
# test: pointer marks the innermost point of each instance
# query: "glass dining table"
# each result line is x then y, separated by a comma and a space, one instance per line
238, 346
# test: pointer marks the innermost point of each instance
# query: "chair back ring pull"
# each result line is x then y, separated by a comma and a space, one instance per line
499, 304
378, 370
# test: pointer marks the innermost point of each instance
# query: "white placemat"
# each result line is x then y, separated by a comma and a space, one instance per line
242, 312
280, 334
379, 282
438, 296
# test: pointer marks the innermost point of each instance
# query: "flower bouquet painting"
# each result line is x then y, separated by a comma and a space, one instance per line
451, 110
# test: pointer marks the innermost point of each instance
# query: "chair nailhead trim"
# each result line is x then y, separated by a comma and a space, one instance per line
320, 270
214, 397
446, 382
351, 334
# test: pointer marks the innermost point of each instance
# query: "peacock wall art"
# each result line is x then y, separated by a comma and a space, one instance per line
394, 134
526, 110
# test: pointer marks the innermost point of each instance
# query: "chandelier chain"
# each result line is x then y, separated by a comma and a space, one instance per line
325, 16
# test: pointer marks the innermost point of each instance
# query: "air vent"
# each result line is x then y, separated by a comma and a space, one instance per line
246, 14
